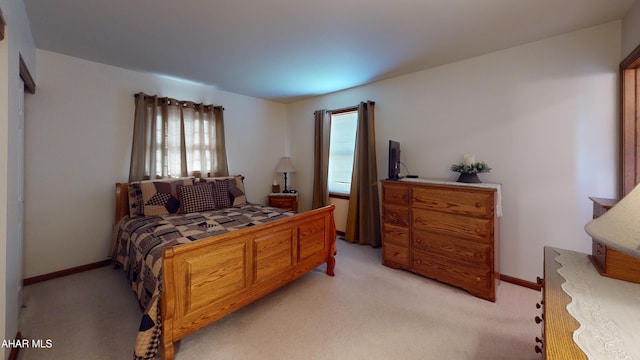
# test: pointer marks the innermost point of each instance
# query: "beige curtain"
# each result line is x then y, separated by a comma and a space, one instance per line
363, 217
321, 159
174, 138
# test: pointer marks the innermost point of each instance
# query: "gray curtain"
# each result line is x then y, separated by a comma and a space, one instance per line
321, 158
363, 217
174, 138
220, 165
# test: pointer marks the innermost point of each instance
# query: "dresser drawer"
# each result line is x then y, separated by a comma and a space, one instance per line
395, 256
395, 234
469, 202
476, 281
395, 215
468, 228
395, 194
474, 254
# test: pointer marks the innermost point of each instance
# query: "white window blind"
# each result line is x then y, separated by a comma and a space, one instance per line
341, 147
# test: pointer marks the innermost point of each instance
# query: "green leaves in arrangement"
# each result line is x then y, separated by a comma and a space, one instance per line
475, 168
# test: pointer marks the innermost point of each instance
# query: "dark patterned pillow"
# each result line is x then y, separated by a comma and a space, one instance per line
160, 197
221, 193
236, 188
196, 198
136, 206
236, 191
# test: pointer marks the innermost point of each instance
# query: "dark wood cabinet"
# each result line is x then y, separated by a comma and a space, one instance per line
446, 232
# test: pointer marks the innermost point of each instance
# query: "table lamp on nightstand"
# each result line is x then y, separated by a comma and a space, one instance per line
284, 167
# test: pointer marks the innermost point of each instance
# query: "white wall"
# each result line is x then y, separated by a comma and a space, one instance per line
543, 115
18, 41
78, 145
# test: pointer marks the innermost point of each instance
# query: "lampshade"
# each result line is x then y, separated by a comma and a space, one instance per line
285, 166
619, 228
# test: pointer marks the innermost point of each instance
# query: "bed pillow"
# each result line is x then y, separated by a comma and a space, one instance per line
237, 194
136, 206
236, 191
155, 197
221, 193
196, 198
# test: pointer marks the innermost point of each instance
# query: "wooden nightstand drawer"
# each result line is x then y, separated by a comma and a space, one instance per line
284, 201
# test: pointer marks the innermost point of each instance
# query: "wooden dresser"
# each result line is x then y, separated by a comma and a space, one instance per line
444, 231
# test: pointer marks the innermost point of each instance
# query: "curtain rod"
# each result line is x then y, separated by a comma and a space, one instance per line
347, 108
181, 102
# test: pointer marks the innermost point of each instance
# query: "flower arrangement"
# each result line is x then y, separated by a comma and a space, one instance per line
473, 168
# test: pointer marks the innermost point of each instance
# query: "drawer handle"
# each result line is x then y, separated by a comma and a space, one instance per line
395, 195
478, 278
478, 204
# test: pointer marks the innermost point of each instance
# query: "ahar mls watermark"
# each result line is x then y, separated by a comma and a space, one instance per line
27, 343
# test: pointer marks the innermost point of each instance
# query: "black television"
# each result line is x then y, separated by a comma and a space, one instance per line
394, 160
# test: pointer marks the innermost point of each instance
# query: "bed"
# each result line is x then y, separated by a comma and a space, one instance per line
183, 284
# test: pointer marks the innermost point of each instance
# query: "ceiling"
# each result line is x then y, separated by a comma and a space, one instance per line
286, 50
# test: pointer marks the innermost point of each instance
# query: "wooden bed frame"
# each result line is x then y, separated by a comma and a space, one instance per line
210, 278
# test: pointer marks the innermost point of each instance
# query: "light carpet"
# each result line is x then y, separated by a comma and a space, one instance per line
367, 311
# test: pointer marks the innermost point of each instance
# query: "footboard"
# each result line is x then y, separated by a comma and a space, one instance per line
210, 278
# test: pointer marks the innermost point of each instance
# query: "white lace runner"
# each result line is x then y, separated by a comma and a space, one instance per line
608, 310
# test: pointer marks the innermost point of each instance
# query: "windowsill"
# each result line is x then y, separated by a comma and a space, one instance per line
339, 196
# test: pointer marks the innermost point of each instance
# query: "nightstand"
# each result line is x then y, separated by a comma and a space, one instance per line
284, 201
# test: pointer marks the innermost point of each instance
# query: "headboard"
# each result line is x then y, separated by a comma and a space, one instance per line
122, 201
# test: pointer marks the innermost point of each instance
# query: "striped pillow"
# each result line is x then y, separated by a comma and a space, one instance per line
196, 198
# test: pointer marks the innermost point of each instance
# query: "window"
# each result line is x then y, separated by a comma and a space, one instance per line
177, 138
185, 127
341, 147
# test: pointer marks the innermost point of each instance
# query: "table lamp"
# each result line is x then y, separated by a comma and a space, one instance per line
284, 167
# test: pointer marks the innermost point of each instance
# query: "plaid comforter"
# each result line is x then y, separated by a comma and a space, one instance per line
139, 243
